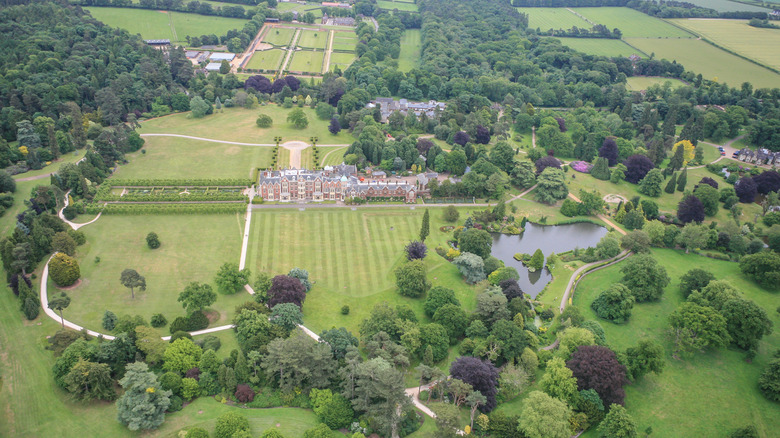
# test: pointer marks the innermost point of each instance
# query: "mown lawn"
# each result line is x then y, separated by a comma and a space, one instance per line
350, 256
70, 157
638, 83
193, 248
411, 48
600, 46
174, 157
307, 61
266, 60
278, 36
238, 124
331, 156
552, 18
313, 39
709, 394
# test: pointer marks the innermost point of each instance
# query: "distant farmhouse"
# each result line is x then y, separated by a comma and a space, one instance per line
388, 106
330, 184
761, 157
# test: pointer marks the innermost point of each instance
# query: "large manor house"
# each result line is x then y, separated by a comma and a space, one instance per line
336, 183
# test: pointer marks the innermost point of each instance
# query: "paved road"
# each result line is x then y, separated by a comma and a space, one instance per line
74, 225
295, 148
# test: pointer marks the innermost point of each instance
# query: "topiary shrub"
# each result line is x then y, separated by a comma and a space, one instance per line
64, 270
176, 404
180, 334
345, 310
152, 240
158, 320
197, 321
230, 423
179, 324
244, 393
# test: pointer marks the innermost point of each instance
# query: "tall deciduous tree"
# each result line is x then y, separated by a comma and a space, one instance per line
90, 381
696, 328
763, 267
544, 417
476, 242
197, 296
597, 368
287, 315
230, 279
558, 381
480, 374
644, 277
618, 423
411, 278
614, 304
286, 289
746, 322
379, 393
130, 278
646, 357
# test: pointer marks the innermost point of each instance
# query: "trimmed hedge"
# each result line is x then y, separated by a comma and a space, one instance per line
180, 182
173, 197
175, 208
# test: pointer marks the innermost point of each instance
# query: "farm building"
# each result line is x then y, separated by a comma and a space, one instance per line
219, 57
213, 66
388, 106
158, 43
307, 185
337, 21
196, 56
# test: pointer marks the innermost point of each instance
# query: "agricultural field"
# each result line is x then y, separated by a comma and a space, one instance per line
350, 256
639, 83
760, 45
727, 6
102, 259
672, 401
342, 60
411, 48
278, 36
632, 23
712, 62
313, 39
266, 59
599, 46
552, 18
175, 26
238, 125
401, 6
306, 61
185, 158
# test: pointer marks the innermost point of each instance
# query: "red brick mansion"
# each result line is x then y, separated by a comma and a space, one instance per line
331, 184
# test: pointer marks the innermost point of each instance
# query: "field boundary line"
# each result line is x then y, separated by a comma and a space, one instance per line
634, 47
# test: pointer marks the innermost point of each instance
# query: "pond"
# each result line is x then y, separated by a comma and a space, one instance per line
550, 239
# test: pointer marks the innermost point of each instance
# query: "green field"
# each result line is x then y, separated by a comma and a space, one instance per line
712, 62
306, 61
411, 48
331, 156
343, 60
633, 23
266, 59
600, 46
760, 45
119, 243
278, 36
639, 83
176, 26
350, 256
552, 18
313, 39
728, 6
238, 124
314, 8
172, 157
401, 6
708, 395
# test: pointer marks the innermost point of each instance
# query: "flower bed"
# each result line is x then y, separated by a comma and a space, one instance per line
581, 166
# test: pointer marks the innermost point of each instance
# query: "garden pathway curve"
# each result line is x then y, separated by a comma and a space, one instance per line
74, 225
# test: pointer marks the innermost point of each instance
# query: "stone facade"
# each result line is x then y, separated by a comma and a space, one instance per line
335, 184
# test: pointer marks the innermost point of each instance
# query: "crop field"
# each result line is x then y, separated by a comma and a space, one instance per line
342, 60
175, 26
727, 6
552, 18
184, 158
279, 36
712, 62
306, 61
238, 124
313, 39
411, 48
761, 45
639, 83
350, 256
633, 24
266, 59
599, 46
401, 6
672, 401
215, 238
